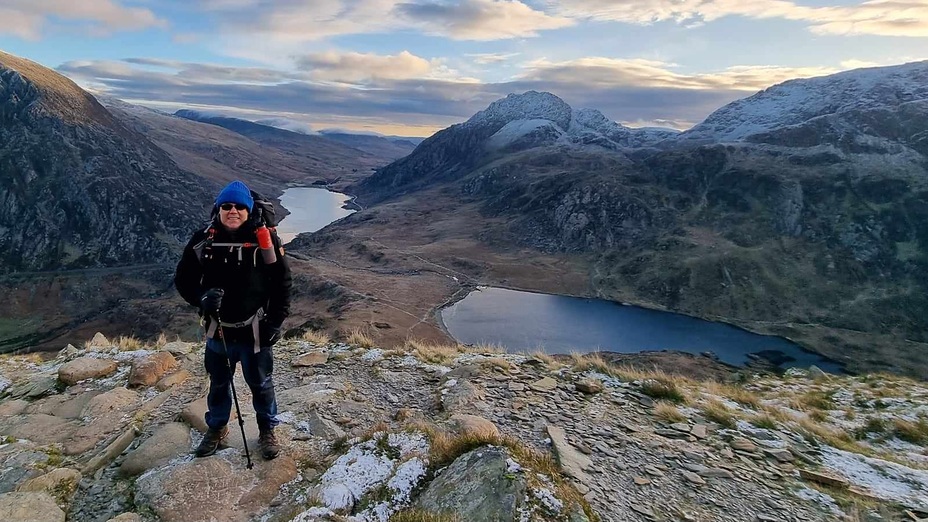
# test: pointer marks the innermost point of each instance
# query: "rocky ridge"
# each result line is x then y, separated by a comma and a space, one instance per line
104, 433
78, 189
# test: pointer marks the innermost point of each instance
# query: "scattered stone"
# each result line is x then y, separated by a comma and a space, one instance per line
68, 351
148, 370
681, 427
699, 431
742, 444
171, 440
589, 386
643, 510
824, 478
178, 377
310, 359
516, 386
474, 425
816, 373
654, 472
781, 455
572, 462
641, 481
60, 483
178, 348
126, 517
34, 387
99, 341
546, 384
319, 426
29, 507
693, 478
463, 394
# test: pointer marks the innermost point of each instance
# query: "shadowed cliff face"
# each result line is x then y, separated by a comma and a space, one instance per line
77, 189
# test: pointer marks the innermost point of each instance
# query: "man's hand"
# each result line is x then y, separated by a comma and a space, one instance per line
212, 301
269, 334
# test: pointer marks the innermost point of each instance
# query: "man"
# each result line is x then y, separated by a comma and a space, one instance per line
244, 301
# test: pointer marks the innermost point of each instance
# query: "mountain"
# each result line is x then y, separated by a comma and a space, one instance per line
330, 156
221, 155
510, 125
78, 188
385, 147
868, 110
809, 221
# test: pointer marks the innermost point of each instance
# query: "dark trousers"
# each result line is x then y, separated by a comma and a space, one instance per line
256, 368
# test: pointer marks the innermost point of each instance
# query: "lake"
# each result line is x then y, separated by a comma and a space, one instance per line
525, 321
310, 209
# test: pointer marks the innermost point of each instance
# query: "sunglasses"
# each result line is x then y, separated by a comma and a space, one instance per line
228, 206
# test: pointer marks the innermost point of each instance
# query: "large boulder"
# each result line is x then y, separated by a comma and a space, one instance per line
177, 493
477, 486
170, 441
85, 368
61, 483
149, 369
29, 507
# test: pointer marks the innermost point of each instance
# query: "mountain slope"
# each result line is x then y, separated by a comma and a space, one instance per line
328, 156
78, 189
389, 148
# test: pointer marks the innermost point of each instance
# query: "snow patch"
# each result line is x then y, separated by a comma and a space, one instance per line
373, 355
886, 480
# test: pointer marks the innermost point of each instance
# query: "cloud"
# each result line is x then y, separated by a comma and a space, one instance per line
300, 21
491, 58
479, 19
27, 18
356, 67
611, 72
876, 17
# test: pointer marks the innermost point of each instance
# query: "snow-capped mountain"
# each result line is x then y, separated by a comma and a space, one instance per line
518, 122
802, 101
541, 118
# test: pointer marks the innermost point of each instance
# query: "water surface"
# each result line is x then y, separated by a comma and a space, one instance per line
525, 321
310, 209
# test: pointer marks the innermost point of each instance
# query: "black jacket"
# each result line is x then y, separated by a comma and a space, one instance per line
248, 282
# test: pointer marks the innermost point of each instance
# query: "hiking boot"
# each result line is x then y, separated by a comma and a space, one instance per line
267, 443
211, 441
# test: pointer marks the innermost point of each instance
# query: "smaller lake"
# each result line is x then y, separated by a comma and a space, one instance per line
310, 209
525, 321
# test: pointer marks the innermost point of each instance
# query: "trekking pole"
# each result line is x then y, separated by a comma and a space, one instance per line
238, 411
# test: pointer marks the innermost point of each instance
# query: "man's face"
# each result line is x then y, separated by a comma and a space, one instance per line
232, 215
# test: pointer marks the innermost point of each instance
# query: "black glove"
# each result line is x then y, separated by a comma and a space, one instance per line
269, 334
211, 301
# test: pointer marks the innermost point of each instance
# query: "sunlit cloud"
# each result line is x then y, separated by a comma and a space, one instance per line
315, 20
604, 72
876, 17
28, 18
357, 67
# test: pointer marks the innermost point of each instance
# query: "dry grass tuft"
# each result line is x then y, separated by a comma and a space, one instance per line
764, 420
668, 412
497, 363
317, 337
583, 362
914, 432
128, 344
434, 353
816, 400
161, 341
550, 362
418, 515
359, 338
718, 413
663, 390
736, 393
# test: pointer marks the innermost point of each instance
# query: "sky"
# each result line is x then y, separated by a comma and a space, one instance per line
412, 67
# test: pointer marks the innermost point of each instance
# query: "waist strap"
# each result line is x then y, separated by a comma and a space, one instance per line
253, 321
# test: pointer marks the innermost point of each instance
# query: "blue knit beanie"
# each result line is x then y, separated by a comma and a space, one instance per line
236, 192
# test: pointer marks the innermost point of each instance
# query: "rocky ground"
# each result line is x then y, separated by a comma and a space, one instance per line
104, 433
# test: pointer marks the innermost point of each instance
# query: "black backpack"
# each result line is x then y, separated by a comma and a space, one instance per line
264, 210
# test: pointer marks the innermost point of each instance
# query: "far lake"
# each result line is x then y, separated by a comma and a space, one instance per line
310, 209
525, 321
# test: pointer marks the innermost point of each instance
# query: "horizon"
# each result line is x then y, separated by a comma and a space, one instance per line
412, 68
